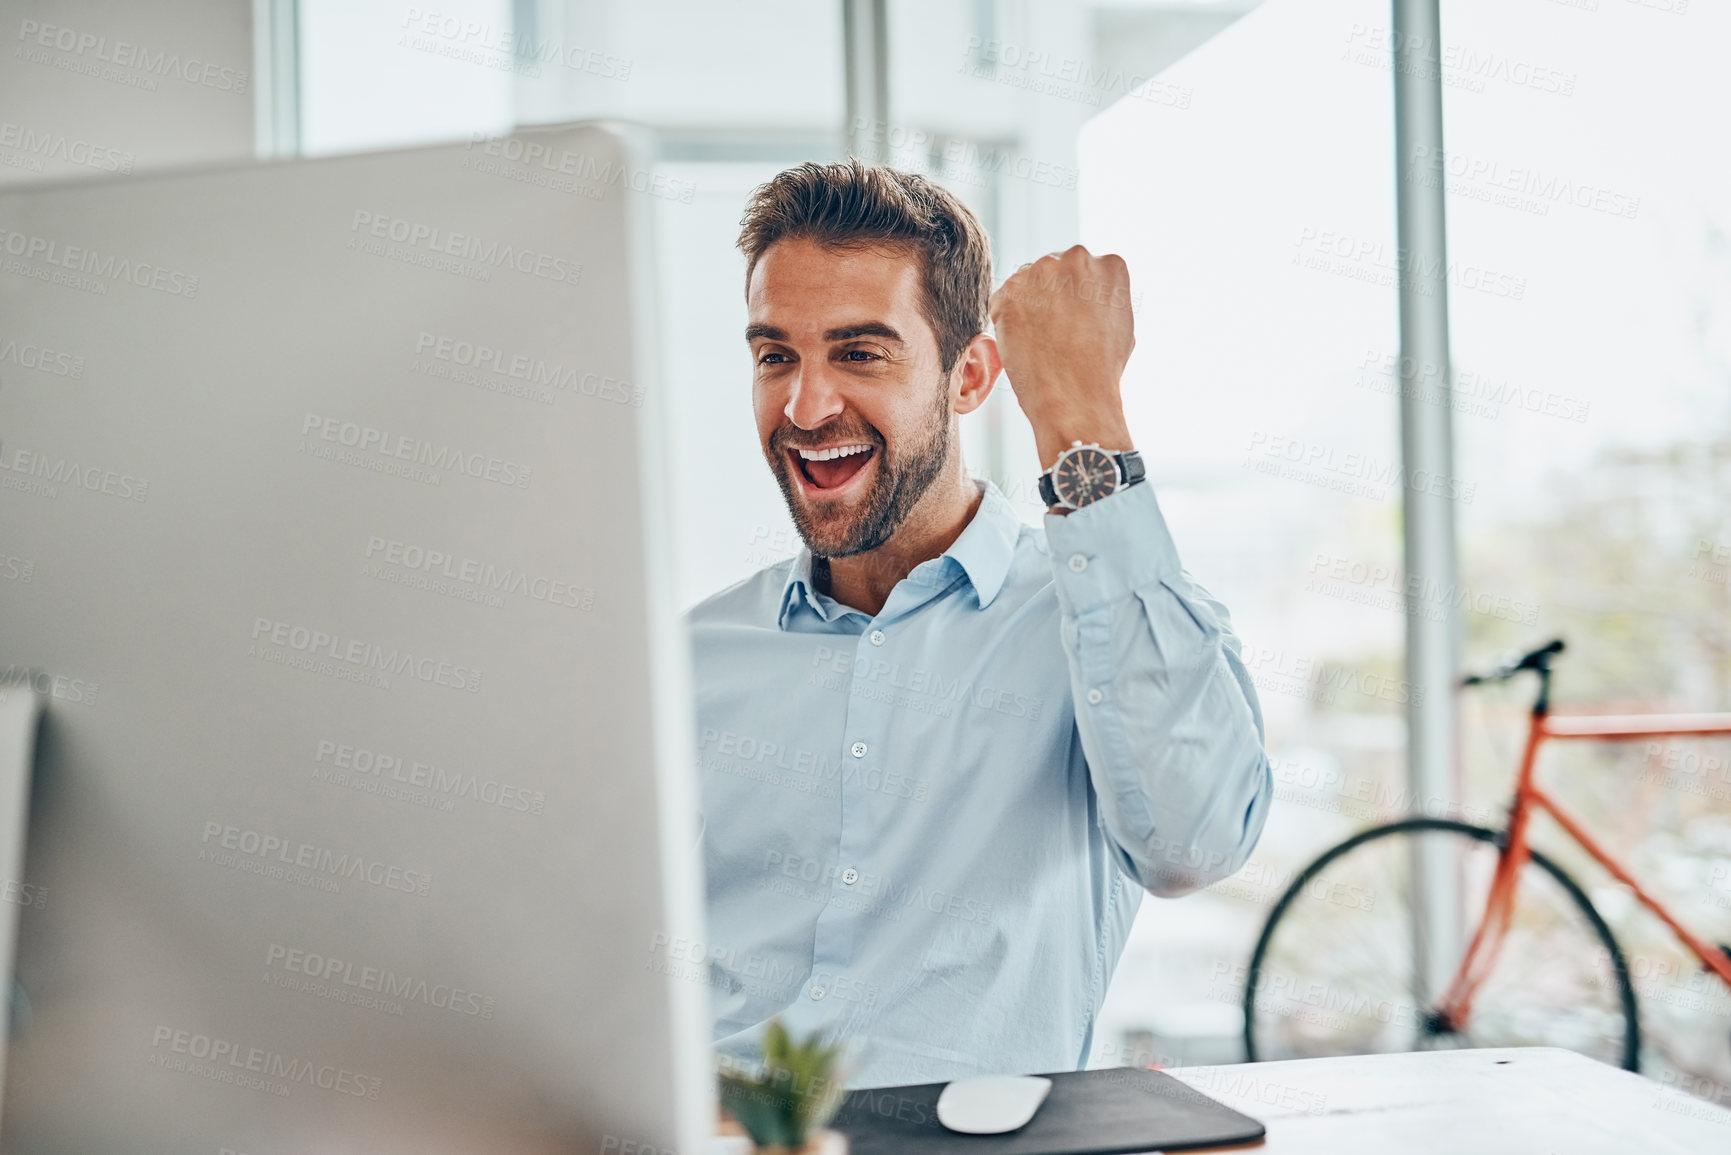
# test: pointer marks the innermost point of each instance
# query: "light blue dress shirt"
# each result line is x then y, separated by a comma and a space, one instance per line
927, 832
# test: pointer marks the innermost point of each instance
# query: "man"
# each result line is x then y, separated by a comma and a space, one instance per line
943, 753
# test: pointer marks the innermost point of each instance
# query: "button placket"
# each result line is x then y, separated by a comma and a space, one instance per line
839, 924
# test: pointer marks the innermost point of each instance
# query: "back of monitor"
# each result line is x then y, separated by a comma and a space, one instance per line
333, 535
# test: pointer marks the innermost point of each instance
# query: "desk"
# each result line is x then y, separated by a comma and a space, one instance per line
1513, 1101
1519, 1101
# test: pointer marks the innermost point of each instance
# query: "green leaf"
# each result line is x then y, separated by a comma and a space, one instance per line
795, 1091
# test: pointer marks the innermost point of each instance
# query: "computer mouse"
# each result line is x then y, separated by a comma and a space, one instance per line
991, 1104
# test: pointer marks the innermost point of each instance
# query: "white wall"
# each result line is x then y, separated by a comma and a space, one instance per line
92, 86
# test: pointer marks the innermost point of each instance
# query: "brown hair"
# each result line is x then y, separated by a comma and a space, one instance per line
849, 204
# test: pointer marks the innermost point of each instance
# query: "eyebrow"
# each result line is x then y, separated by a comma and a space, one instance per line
844, 333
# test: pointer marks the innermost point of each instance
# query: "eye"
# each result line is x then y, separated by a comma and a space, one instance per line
772, 358
860, 355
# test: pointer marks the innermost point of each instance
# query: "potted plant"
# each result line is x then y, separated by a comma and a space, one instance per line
784, 1103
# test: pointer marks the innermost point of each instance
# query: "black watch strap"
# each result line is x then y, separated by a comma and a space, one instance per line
1131, 467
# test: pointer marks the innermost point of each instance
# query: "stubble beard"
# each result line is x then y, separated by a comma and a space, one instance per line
898, 487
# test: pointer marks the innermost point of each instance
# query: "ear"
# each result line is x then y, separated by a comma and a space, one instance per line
972, 378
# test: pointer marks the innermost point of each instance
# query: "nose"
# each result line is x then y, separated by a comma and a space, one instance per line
813, 398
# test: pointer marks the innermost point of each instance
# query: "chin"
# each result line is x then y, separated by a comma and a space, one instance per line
828, 536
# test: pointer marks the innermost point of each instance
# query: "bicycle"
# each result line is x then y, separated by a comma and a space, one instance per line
1378, 1004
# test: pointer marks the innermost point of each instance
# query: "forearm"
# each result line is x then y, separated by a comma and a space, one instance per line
1167, 716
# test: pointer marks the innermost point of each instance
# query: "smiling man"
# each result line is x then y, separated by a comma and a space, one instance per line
943, 753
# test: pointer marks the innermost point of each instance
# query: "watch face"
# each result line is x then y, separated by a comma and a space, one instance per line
1084, 474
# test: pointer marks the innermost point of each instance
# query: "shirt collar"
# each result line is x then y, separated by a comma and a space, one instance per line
984, 550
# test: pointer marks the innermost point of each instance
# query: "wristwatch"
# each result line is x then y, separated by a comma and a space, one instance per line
1083, 474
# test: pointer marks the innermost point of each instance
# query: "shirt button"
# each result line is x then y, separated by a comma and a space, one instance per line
817, 994
1095, 697
1078, 563
850, 876
858, 749
877, 637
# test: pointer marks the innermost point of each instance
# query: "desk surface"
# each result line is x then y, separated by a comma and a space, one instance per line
1522, 1101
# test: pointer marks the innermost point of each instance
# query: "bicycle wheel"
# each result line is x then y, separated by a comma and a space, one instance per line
1334, 971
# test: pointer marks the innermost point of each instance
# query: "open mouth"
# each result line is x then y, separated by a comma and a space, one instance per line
829, 471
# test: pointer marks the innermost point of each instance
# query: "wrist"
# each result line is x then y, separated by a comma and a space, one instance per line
1051, 440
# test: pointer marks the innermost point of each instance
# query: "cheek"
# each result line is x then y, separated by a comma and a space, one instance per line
904, 419
769, 408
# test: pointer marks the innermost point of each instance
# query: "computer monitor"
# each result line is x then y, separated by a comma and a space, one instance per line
333, 537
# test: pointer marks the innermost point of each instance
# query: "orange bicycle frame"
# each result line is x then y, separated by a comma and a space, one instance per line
1487, 940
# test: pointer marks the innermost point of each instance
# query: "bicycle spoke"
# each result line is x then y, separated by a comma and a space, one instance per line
1336, 980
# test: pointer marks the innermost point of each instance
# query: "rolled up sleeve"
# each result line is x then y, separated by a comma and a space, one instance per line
1166, 710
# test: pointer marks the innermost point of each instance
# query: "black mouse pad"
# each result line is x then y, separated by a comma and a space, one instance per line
1101, 1112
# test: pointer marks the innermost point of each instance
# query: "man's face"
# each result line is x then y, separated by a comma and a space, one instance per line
853, 408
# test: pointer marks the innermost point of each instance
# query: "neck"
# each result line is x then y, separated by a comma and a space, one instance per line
864, 581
